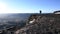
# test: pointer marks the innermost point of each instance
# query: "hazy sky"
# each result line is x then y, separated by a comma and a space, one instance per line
29, 6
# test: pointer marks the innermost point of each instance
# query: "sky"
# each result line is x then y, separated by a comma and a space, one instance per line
29, 6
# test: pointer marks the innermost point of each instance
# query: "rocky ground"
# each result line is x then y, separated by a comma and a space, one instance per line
46, 24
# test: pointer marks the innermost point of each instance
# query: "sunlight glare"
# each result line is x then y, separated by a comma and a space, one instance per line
3, 7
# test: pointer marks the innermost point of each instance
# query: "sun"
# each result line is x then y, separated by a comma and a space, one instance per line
3, 7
